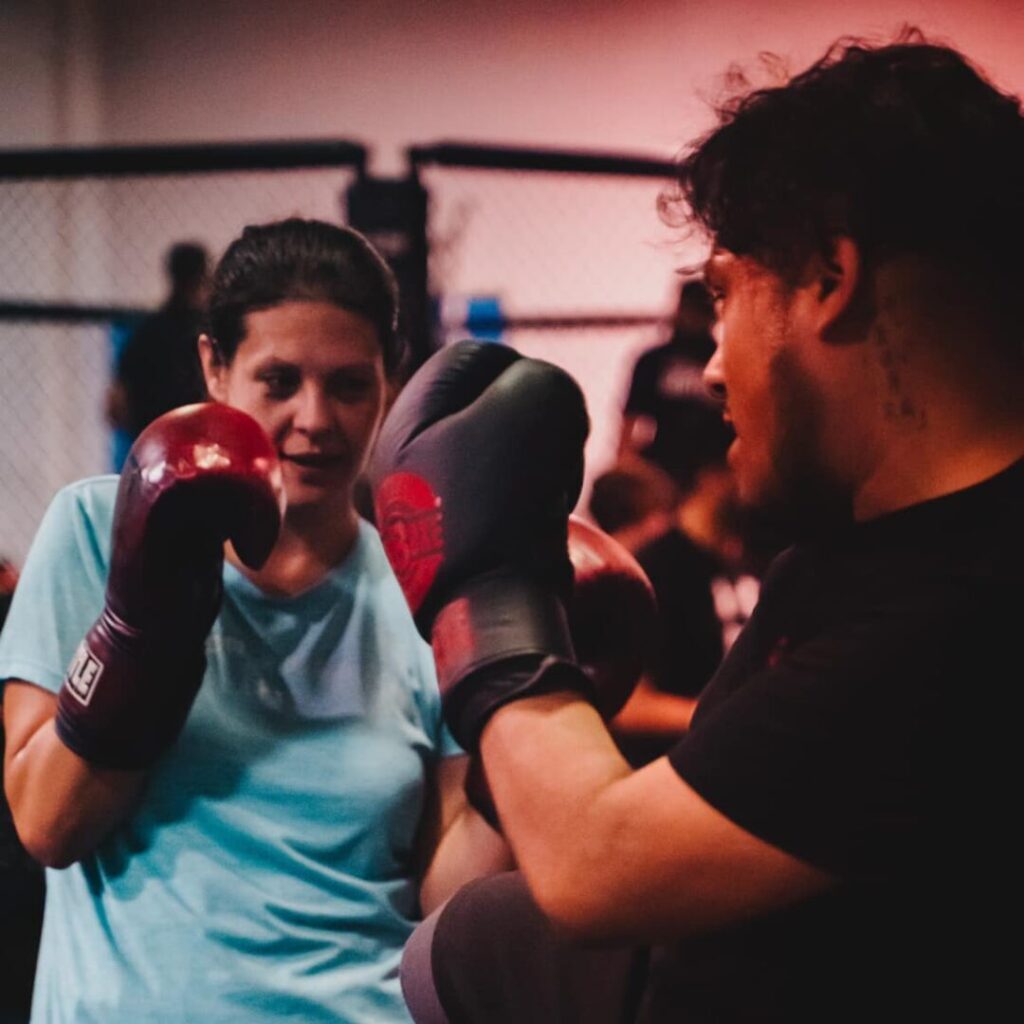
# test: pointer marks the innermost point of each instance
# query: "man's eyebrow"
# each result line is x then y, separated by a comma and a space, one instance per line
712, 269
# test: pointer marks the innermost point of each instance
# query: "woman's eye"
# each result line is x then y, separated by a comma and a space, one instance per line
278, 383
351, 387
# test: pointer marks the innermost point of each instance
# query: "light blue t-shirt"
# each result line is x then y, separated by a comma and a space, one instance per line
266, 875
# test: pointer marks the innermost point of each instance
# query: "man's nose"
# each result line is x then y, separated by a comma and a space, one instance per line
714, 381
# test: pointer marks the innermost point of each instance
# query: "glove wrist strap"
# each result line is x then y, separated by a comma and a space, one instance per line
124, 702
498, 618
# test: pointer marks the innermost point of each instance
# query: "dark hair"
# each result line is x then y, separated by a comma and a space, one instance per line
302, 259
906, 148
186, 264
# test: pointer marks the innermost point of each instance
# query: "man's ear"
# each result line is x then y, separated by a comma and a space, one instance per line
213, 368
838, 286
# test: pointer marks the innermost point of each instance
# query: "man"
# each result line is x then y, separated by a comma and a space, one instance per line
158, 368
829, 840
669, 418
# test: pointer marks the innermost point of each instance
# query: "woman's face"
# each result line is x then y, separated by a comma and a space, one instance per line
312, 375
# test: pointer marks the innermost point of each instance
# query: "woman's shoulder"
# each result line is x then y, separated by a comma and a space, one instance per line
375, 570
370, 557
94, 496
83, 510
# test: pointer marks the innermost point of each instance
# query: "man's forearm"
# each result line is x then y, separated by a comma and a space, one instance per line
611, 853
553, 767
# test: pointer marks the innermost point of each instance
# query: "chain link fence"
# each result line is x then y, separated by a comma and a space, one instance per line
562, 256
82, 258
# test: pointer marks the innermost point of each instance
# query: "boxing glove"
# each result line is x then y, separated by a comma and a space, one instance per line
475, 472
611, 617
194, 478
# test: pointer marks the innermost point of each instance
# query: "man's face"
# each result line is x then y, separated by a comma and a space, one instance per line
772, 393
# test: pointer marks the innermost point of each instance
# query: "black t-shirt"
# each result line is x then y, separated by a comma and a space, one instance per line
689, 631
861, 723
687, 640
159, 366
668, 386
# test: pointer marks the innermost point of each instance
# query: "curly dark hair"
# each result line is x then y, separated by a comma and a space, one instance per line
302, 259
906, 148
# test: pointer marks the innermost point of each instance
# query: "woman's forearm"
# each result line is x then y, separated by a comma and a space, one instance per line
61, 804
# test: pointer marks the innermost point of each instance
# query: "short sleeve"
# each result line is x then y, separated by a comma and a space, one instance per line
422, 675
60, 592
445, 743
840, 753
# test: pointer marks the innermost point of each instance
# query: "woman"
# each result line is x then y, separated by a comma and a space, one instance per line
271, 863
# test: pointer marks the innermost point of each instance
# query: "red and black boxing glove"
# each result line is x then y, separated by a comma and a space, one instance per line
194, 478
475, 472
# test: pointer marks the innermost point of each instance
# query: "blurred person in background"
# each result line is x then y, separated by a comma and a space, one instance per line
695, 552
669, 418
21, 883
242, 786
8, 581
158, 367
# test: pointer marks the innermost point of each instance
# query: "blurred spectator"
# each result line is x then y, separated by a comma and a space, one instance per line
694, 553
8, 580
669, 418
21, 884
158, 368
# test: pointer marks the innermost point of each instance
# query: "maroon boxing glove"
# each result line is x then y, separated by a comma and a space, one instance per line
194, 478
611, 617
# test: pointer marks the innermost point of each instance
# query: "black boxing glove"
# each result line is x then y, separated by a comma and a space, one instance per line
194, 478
475, 472
612, 614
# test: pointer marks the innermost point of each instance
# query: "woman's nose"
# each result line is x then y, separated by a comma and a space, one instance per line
312, 413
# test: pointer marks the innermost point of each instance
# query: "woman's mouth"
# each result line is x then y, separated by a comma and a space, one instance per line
316, 460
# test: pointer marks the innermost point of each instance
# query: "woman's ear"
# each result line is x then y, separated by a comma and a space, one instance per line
213, 368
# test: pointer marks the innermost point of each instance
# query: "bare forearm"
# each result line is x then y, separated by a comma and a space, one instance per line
62, 805
618, 854
552, 767
469, 849
652, 711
